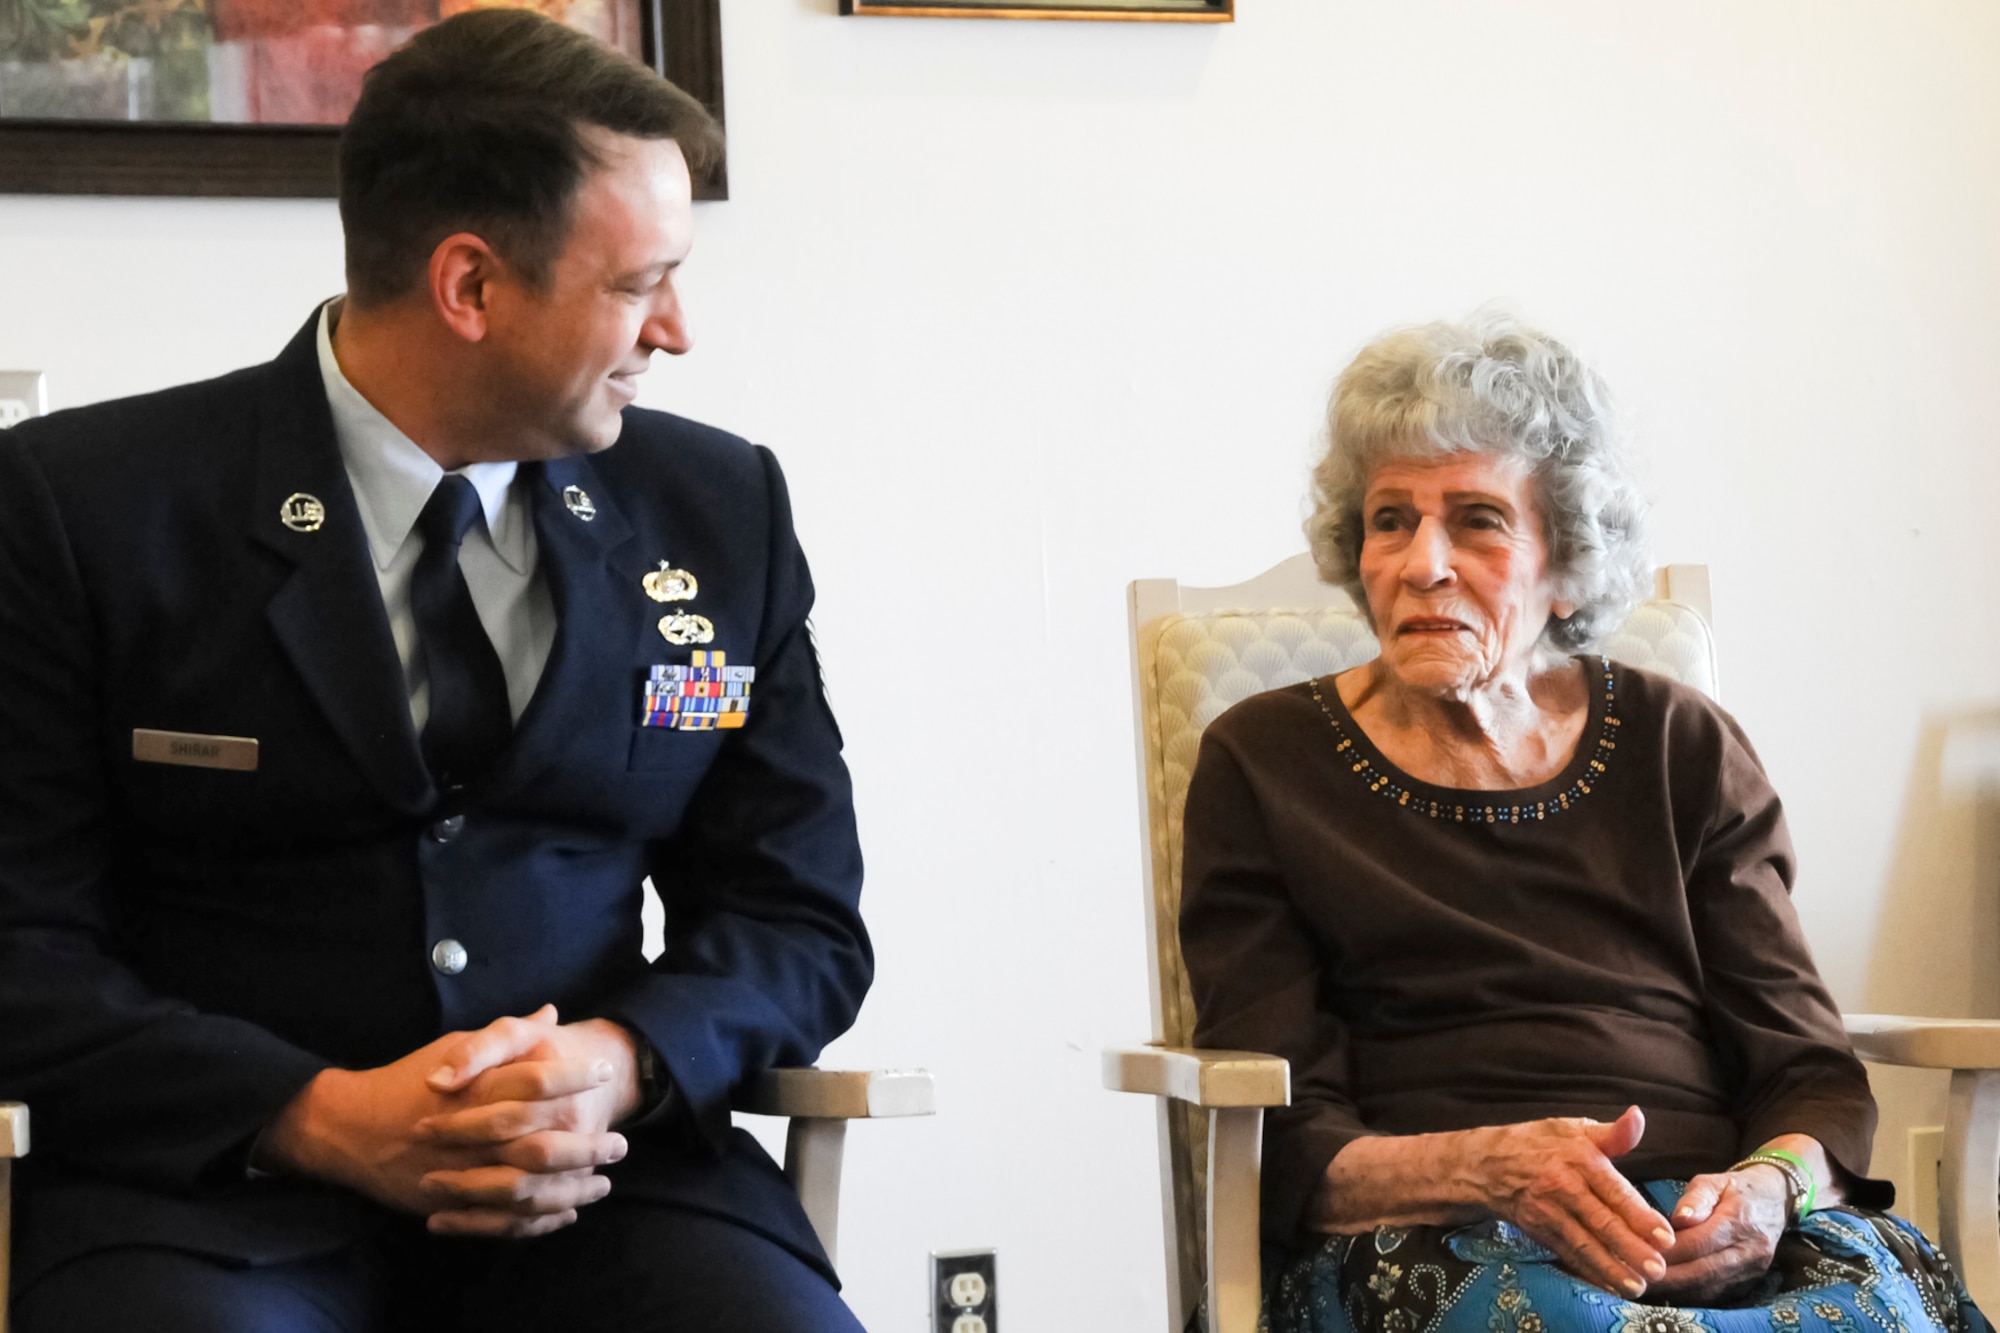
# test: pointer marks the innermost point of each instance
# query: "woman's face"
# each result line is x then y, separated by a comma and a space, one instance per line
1455, 569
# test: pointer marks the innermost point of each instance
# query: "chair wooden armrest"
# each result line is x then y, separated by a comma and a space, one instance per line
13, 1143
1926, 1043
820, 1102
1234, 1087
1206, 1078
843, 1094
1968, 1223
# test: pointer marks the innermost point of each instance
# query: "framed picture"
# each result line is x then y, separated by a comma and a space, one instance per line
1147, 11
246, 97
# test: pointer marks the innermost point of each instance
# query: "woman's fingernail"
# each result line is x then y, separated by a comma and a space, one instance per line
601, 1071
1665, 1235
1632, 1286
442, 1076
1655, 1268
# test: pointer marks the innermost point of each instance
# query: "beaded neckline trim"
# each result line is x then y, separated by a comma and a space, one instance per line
1383, 785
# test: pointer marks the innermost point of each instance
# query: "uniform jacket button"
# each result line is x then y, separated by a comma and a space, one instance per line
449, 957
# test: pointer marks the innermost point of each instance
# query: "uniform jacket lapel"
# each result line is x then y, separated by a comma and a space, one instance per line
586, 562
328, 614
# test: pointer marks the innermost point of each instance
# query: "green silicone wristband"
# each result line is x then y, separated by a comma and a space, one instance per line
1812, 1181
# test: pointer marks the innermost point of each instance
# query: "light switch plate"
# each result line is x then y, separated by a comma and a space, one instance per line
23, 394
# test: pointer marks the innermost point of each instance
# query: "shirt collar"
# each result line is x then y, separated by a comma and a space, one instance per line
393, 478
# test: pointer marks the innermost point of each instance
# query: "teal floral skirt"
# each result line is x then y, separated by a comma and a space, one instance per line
1839, 1271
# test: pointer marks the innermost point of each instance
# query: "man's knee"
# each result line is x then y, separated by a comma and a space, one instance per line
167, 1291
652, 1269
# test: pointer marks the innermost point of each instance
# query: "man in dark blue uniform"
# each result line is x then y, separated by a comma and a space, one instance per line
350, 699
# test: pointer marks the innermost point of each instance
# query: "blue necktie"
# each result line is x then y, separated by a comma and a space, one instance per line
470, 718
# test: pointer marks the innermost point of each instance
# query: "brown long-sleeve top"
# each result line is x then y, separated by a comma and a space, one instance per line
1620, 934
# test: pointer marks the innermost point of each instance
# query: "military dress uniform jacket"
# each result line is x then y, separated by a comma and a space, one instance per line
182, 948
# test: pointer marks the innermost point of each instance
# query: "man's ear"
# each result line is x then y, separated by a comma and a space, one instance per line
462, 272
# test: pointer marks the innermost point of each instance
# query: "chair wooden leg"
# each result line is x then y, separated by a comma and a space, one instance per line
1185, 1250
1969, 1185
6, 1235
813, 1149
1235, 1164
13, 1143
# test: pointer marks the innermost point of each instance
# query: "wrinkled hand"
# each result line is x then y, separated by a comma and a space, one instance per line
1554, 1180
368, 1130
1728, 1225
533, 1105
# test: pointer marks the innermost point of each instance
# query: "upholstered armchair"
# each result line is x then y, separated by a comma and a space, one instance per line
1195, 652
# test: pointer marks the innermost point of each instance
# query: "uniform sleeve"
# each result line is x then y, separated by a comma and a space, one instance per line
1771, 1016
123, 1081
1256, 977
767, 959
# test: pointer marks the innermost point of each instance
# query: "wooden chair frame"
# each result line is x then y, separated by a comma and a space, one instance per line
1211, 1224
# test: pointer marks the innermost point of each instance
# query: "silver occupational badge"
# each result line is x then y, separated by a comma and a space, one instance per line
667, 584
579, 503
681, 630
301, 512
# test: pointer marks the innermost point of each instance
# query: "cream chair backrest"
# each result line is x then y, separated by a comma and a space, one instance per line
1196, 652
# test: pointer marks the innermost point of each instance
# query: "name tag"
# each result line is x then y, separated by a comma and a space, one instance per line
194, 750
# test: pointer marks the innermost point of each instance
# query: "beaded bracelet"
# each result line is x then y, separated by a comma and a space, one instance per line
1799, 1180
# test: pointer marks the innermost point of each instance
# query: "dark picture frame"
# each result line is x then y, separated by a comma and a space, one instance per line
1140, 11
682, 40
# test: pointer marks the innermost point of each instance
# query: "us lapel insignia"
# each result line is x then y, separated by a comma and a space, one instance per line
578, 500
680, 629
301, 512
667, 584
706, 695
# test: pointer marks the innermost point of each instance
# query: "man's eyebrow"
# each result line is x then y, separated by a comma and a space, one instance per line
652, 272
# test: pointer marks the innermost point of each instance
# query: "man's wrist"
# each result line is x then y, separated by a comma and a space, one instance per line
654, 1084
620, 1045
291, 1143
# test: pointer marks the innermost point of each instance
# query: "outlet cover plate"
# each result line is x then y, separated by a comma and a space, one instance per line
23, 394
959, 1277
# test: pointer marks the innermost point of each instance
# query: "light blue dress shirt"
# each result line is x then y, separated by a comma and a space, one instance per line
392, 480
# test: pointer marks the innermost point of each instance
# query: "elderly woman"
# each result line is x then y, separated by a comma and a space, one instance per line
1519, 917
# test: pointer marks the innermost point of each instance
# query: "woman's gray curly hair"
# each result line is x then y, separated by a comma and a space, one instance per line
1492, 385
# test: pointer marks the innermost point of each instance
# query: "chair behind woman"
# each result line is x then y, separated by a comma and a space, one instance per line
1197, 651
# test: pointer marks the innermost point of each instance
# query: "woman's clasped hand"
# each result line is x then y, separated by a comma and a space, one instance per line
1554, 1179
1727, 1226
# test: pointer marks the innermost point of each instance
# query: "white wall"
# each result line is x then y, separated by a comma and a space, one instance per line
1031, 309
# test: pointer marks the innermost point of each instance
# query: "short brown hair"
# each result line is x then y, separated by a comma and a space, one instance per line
477, 124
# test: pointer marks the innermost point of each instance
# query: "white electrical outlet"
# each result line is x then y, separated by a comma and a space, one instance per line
23, 394
962, 1296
